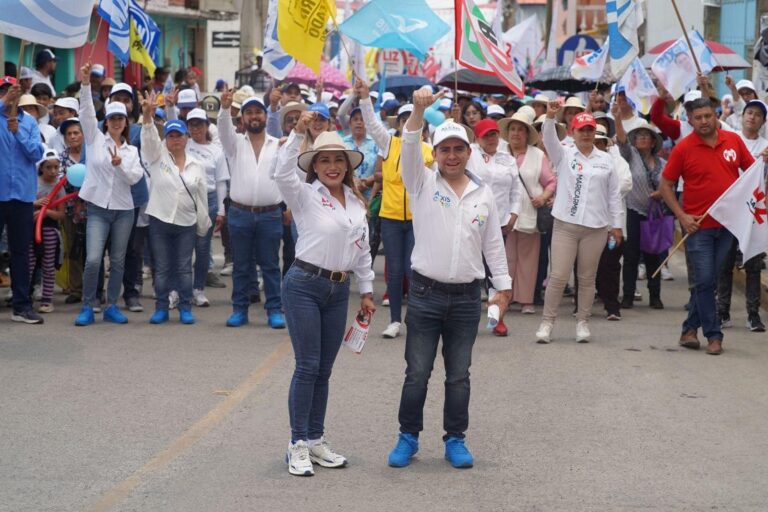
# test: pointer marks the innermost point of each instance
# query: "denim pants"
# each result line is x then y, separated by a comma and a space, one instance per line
397, 236
708, 250
17, 217
203, 245
433, 314
259, 235
132, 273
103, 225
172, 248
316, 314
752, 268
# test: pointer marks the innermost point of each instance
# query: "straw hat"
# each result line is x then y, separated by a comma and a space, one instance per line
573, 102
329, 141
291, 106
644, 125
539, 98
27, 100
560, 127
533, 136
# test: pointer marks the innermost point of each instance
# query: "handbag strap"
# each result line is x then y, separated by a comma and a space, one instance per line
188, 192
524, 185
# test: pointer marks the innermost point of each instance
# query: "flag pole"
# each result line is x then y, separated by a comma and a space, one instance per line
22, 45
685, 34
674, 250
95, 39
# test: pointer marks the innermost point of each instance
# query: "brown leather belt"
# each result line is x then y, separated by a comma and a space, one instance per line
335, 276
254, 209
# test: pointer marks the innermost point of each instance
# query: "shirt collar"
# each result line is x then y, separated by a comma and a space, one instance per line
318, 186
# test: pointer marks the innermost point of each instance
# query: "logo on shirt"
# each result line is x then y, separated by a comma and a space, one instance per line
577, 166
325, 202
480, 220
758, 211
729, 155
444, 201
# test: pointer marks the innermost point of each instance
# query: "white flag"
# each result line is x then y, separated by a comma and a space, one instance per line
741, 210
638, 87
61, 24
675, 68
275, 61
624, 18
592, 65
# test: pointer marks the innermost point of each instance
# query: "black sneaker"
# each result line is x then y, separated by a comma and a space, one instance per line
655, 303
568, 291
213, 281
73, 299
754, 323
27, 317
627, 302
133, 305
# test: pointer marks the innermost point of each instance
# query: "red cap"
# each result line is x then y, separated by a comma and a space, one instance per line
485, 126
197, 70
581, 120
8, 80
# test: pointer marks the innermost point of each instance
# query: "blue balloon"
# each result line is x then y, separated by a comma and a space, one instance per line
76, 175
434, 116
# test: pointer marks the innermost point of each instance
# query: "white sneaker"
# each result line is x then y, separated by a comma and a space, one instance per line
638, 295
37, 292
392, 330
226, 270
582, 332
320, 453
45, 307
385, 302
298, 461
173, 299
544, 334
200, 299
146, 273
666, 274
641, 274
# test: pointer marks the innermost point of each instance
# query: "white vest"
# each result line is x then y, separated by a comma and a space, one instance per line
530, 172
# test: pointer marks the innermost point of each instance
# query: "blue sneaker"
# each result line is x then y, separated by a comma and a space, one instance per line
186, 316
276, 320
406, 447
85, 317
457, 453
113, 314
237, 319
160, 316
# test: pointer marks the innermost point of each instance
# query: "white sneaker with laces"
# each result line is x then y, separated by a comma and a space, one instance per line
582, 332
385, 302
641, 274
173, 299
320, 453
226, 270
200, 299
392, 330
544, 334
298, 460
666, 274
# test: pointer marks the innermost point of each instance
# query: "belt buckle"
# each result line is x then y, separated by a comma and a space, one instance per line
342, 276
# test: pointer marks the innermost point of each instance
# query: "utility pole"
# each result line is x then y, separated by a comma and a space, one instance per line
252, 19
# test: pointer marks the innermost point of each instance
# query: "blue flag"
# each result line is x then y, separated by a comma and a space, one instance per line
624, 19
410, 26
115, 12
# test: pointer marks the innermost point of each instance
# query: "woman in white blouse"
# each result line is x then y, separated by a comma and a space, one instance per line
177, 210
112, 167
587, 211
333, 243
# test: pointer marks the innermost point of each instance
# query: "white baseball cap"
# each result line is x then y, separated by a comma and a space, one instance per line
253, 100
746, 84
187, 99
48, 154
387, 96
495, 110
115, 108
121, 87
449, 130
97, 69
407, 108
691, 96
70, 103
197, 113
25, 73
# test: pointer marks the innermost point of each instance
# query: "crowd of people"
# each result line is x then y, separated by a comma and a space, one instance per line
517, 201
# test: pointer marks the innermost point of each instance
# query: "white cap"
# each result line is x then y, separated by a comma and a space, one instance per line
333, 104
495, 110
197, 113
408, 107
97, 69
449, 130
121, 87
25, 73
326, 97
115, 108
691, 96
187, 99
374, 94
387, 96
70, 103
253, 100
746, 84
48, 154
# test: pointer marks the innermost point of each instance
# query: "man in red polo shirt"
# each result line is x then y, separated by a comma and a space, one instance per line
708, 160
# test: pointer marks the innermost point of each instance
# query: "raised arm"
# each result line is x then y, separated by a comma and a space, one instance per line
549, 131
227, 133
373, 126
668, 126
88, 121
285, 176
411, 157
151, 146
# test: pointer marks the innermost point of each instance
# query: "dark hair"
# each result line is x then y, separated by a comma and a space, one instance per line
477, 106
126, 135
700, 103
160, 70
10, 68
41, 89
72, 89
180, 75
349, 178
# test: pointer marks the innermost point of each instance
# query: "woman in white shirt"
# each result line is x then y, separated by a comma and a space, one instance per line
587, 210
177, 210
112, 167
216, 177
330, 215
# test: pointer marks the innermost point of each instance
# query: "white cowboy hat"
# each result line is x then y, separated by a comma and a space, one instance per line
329, 141
27, 100
533, 136
573, 102
658, 142
291, 106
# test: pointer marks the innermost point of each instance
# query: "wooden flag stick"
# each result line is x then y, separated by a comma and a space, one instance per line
95, 39
21, 58
706, 91
674, 250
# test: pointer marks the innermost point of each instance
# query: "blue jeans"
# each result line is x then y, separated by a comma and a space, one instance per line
17, 216
432, 314
397, 236
172, 247
316, 314
259, 234
203, 245
707, 250
103, 225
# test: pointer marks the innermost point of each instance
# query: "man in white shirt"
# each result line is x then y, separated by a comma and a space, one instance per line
455, 224
45, 65
255, 217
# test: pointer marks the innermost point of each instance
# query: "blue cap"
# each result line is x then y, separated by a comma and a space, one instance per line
160, 112
756, 103
390, 105
320, 108
251, 101
355, 111
176, 125
220, 83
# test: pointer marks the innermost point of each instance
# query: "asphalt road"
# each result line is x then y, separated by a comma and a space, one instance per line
194, 418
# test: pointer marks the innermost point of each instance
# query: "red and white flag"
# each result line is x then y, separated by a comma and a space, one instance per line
741, 210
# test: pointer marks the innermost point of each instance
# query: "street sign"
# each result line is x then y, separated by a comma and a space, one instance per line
575, 46
229, 39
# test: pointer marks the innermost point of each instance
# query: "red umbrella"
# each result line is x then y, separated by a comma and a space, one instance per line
332, 77
725, 57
